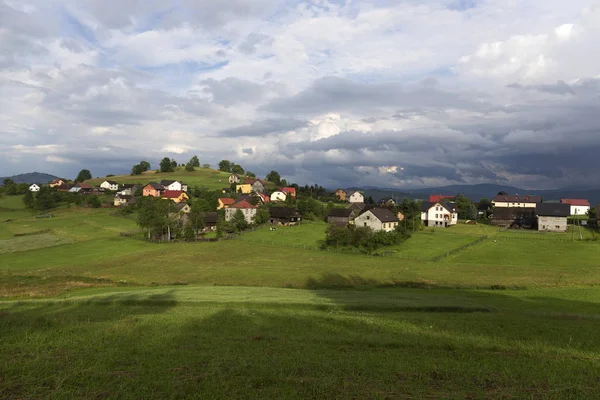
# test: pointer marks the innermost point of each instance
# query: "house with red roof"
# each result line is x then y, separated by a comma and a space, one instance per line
224, 202
247, 209
178, 196
578, 206
291, 191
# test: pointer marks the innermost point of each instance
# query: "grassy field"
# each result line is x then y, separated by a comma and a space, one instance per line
86, 313
202, 177
277, 343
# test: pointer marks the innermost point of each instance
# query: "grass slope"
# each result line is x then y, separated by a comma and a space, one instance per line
202, 177
274, 343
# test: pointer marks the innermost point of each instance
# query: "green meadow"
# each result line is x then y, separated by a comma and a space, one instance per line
202, 177
86, 313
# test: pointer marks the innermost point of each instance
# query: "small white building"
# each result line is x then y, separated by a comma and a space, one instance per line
439, 214
577, 206
356, 197
552, 217
174, 185
378, 219
278, 195
234, 178
34, 188
110, 185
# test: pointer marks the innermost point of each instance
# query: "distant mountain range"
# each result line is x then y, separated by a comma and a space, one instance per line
32, 177
487, 190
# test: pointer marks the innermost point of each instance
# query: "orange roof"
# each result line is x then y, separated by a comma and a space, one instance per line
173, 194
576, 202
289, 190
242, 204
226, 201
264, 197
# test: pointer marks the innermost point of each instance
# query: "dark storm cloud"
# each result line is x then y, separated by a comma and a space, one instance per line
263, 128
333, 94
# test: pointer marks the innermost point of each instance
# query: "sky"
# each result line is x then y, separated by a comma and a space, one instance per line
398, 94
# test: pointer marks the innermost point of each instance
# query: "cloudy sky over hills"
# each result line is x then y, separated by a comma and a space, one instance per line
401, 93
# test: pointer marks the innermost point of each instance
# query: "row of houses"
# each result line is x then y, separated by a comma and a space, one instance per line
532, 212
440, 214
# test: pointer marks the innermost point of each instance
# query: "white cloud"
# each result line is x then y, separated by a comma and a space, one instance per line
390, 93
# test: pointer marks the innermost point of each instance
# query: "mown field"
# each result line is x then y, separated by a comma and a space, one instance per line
86, 313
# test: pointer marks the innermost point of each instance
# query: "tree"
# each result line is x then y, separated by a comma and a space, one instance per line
10, 187
225, 165
94, 201
370, 200
83, 175
250, 174
195, 161
140, 168
237, 169
592, 217
174, 164
274, 177
196, 219
44, 199
463, 204
262, 215
28, 199
239, 221
207, 166
166, 166
189, 167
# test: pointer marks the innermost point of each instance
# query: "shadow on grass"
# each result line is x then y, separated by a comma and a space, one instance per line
139, 346
337, 281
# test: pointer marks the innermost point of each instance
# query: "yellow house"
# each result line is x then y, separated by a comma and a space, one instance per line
177, 196
245, 188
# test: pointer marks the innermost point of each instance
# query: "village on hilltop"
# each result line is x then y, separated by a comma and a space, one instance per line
246, 194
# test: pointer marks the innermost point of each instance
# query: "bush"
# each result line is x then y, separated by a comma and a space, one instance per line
362, 238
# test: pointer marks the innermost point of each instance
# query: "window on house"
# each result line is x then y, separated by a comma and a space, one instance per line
557, 227
365, 224
436, 215
368, 217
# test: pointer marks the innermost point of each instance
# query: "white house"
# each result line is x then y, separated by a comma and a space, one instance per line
247, 209
378, 219
356, 197
278, 195
234, 178
578, 206
439, 214
110, 185
516, 201
174, 185
34, 188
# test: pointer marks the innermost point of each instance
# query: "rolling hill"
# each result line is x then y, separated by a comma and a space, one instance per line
31, 177
203, 177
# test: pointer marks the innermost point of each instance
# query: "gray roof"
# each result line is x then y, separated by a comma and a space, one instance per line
384, 215
426, 205
553, 210
113, 182
340, 212
283, 212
